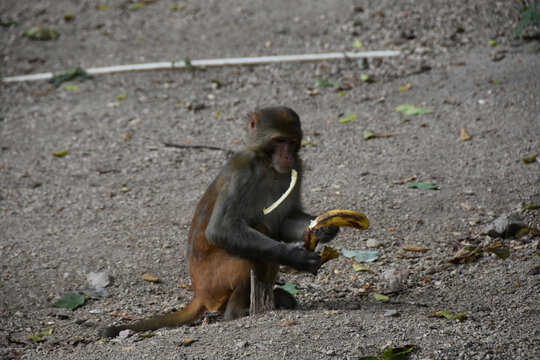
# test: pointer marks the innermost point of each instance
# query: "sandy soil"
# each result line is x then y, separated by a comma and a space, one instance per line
120, 202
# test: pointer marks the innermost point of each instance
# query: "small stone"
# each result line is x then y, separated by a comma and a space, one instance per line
389, 313
373, 243
150, 278
98, 280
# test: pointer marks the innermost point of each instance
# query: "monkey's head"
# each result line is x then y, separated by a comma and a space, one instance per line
277, 132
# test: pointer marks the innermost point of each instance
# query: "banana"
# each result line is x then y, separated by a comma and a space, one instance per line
339, 217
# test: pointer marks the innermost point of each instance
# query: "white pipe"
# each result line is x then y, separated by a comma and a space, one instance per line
214, 63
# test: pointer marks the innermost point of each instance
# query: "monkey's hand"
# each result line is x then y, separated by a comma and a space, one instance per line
301, 259
325, 234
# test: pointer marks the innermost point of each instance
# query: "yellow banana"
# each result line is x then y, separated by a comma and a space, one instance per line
337, 217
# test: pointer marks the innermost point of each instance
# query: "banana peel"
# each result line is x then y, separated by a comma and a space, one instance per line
340, 218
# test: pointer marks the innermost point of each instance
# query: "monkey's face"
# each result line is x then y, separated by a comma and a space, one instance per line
284, 149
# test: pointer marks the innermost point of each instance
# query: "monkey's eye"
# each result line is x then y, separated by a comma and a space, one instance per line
280, 140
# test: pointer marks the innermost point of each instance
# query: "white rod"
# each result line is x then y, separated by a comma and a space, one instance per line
215, 63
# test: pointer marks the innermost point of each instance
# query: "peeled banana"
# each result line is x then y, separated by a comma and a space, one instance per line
339, 217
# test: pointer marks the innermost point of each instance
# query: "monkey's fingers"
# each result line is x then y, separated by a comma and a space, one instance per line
339, 217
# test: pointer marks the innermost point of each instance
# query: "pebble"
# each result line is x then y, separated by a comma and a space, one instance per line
373, 243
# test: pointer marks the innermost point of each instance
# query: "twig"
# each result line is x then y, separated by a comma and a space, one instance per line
181, 64
189, 146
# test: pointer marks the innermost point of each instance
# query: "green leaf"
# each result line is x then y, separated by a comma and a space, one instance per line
40, 335
492, 43
530, 159
531, 206
368, 134
499, 251
423, 185
409, 109
70, 301
290, 288
349, 118
41, 33
342, 93
357, 44
450, 316
121, 97
136, 6
366, 78
359, 268
61, 153
398, 353
326, 83
380, 297
360, 255
146, 336
72, 87
68, 75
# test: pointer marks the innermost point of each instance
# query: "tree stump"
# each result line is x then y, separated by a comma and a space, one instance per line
261, 297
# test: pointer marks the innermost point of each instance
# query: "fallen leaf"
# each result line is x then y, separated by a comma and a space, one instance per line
359, 268
146, 336
414, 248
357, 44
187, 342
326, 83
72, 87
398, 353
70, 301
342, 93
289, 323
41, 33
40, 336
150, 278
328, 253
290, 288
409, 109
366, 78
464, 136
360, 255
349, 118
492, 43
61, 153
423, 185
68, 75
405, 87
121, 97
102, 7
308, 143
184, 285
368, 134
468, 254
497, 249
530, 159
449, 315
380, 297
531, 206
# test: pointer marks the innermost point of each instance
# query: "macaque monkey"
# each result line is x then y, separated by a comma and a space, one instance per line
230, 235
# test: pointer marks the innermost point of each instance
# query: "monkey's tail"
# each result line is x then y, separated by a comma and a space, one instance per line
190, 313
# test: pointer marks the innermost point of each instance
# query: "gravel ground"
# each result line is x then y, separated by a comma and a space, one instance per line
121, 202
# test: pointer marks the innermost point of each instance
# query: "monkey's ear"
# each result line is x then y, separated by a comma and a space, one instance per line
253, 122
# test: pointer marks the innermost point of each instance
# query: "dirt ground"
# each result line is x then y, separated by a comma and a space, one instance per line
121, 202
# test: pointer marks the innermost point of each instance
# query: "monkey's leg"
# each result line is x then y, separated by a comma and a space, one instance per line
238, 304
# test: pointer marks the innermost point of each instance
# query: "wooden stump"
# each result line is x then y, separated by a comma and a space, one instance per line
261, 297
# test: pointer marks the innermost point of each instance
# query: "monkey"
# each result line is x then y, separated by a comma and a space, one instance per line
229, 235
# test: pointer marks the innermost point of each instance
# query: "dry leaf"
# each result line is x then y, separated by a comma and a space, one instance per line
464, 135
150, 278
414, 248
